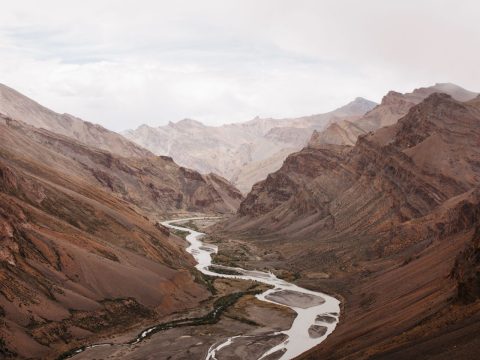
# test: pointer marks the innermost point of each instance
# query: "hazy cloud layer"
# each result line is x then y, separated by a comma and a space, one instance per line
124, 63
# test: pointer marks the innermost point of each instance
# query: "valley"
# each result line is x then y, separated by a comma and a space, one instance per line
239, 180
363, 244
313, 316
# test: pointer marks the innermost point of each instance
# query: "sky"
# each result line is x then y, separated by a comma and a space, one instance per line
127, 63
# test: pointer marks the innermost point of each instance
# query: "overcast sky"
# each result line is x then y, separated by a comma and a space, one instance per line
124, 63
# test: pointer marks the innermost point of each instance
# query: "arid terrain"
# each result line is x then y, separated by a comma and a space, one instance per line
239, 180
384, 217
19, 107
390, 225
79, 256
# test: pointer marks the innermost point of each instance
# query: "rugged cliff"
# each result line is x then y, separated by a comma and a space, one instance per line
396, 174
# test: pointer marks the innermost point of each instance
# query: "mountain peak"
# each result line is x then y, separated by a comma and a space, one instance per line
188, 123
457, 92
447, 85
358, 106
391, 97
143, 127
361, 100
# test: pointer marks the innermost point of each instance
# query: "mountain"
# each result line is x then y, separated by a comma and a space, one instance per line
19, 107
81, 252
252, 172
77, 260
394, 105
391, 225
238, 151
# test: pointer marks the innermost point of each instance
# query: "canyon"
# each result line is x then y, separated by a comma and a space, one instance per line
372, 208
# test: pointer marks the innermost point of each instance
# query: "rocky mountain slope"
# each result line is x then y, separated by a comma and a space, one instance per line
155, 184
76, 259
79, 258
238, 152
19, 107
390, 225
394, 105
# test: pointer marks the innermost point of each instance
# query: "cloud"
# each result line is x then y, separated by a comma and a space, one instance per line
125, 63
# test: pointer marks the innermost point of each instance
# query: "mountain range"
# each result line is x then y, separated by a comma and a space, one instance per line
243, 153
390, 225
394, 105
377, 204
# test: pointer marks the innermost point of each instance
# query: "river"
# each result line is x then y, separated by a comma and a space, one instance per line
314, 314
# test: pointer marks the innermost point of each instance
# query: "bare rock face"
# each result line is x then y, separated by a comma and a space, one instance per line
414, 166
344, 132
466, 271
288, 183
228, 194
242, 153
